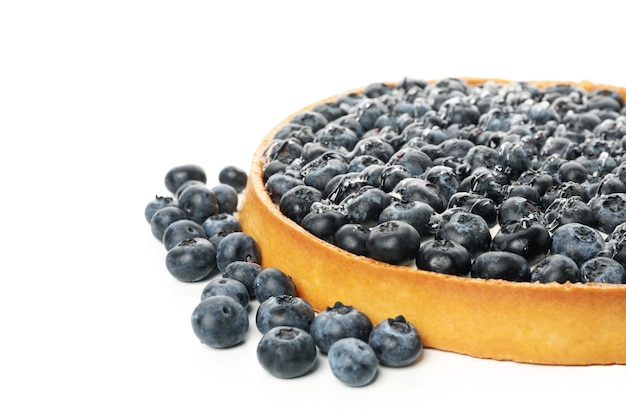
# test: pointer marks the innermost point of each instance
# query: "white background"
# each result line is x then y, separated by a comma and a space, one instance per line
99, 99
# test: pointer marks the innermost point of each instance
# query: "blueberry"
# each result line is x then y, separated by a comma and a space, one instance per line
514, 209
226, 286
237, 246
337, 322
394, 241
417, 189
555, 268
227, 198
578, 241
396, 342
287, 352
280, 153
391, 175
353, 238
375, 147
322, 169
476, 204
353, 362
609, 211
415, 213
271, 282
323, 224
569, 210
300, 132
602, 270
162, 218
343, 185
365, 205
233, 176
220, 321
571, 171
524, 237
191, 260
181, 230
219, 225
176, 176
469, 230
312, 119
331, 110
244, 272
296, 202
198, 202
335, 136
503, 265
444, 256
186, 184
414, 160
284, 310
158, 203
445, 180
278, 184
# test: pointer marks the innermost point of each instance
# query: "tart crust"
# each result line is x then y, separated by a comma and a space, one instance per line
558, 324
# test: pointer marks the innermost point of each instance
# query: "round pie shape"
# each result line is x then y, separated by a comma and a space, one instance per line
558, 324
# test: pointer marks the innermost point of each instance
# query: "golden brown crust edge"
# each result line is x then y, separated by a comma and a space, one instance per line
558, 324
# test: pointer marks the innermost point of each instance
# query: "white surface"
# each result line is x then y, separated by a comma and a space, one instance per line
99, 99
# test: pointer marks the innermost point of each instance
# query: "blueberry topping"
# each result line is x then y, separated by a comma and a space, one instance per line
444, 256
578, 241
393, 241
603, 270
555, 268
503, 265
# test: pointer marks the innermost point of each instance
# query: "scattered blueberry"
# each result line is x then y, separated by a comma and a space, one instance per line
181, 230
237, 246
176, 176
337, 322
353, 362
158, 203
396, 342
244, 272
162, 218
198, 202
227, 198
233, 176
287, 352
191, 260
271, 282
220, 321
284, 310
226, 286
